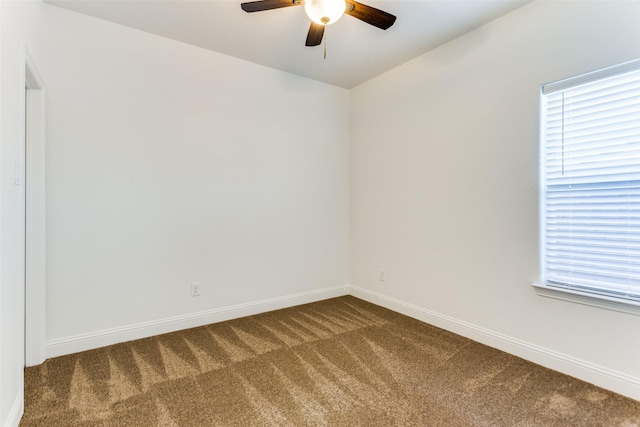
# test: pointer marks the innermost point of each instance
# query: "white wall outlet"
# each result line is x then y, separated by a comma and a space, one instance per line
195, 289
381, 275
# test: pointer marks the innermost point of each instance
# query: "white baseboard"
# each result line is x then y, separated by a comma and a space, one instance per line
603, 377
77, 343
17, 409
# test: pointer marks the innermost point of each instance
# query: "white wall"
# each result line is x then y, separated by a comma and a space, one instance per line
444, 187
168, 164
15, 31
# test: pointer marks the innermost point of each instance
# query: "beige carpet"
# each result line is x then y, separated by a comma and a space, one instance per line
340, 362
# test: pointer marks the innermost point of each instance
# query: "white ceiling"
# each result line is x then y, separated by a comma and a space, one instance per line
356, 51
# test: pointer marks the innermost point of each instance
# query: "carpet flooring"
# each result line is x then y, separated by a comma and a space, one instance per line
339, 362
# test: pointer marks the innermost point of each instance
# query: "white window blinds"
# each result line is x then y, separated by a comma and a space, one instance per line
591, 182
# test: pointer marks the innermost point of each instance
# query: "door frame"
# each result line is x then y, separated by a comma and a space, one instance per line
35, 219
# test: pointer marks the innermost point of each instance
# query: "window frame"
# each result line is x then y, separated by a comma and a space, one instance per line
542, 288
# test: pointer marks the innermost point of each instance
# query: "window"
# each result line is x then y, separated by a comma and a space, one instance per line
590, 186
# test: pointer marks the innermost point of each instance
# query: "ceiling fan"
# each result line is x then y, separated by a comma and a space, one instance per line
326, 12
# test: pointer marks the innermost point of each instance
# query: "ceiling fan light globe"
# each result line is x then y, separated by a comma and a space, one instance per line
324, 12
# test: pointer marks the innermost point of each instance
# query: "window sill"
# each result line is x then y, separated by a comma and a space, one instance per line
601, 301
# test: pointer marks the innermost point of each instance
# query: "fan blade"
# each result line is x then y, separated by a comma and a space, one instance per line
314, 36
370, 15
260, 5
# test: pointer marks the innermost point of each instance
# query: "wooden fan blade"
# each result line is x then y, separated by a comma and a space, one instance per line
370, 15
314, 36
260, 5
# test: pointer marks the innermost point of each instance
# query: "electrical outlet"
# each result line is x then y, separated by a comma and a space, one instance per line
195, 289
381, 275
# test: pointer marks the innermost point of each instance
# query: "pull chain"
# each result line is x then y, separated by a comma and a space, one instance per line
325, 43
